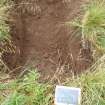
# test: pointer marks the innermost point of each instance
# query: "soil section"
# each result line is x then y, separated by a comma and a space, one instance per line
44, 41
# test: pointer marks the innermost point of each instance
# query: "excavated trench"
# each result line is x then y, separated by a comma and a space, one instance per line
44, 41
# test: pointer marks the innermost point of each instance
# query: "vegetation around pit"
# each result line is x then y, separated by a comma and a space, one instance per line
28, 91
92, 25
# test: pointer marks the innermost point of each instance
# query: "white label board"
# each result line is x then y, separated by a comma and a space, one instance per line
67, 95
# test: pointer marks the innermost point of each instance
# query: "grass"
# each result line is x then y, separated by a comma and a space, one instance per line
26, 91
92, 84
92, 24
4, 28
5, 38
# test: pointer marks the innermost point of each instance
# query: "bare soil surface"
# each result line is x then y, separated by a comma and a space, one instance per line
44, 41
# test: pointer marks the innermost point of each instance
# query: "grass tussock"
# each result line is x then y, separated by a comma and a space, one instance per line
5, 38
4, 13
92, 84
26, 91
92, 24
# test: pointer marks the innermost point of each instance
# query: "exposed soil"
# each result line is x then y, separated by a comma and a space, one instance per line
44, 41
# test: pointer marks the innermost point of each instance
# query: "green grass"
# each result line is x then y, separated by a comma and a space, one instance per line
26, 91
5, 38
4, 13
92, 24
4, 27
92, 84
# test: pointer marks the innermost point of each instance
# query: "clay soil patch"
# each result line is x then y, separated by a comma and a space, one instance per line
43, 41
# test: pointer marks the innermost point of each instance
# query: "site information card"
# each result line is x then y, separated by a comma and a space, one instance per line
67, 95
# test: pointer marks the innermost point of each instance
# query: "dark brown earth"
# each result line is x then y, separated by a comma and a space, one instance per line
44, 41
